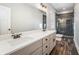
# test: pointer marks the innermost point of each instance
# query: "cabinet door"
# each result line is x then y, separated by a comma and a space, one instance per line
45, 47
37, 52
28, 49
52, 41
46, 40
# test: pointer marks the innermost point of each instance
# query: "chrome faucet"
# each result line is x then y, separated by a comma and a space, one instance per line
15, 36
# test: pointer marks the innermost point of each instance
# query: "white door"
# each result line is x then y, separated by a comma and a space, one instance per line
4, 20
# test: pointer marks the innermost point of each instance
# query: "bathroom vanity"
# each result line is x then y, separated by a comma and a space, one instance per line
34, 42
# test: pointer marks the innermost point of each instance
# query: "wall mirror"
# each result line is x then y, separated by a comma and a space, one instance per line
19, 17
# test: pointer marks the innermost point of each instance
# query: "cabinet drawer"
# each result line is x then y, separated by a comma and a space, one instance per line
52, 38
45, 40
46, 47
38, 51
28, 49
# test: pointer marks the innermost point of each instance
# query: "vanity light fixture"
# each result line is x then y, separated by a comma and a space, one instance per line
43, 7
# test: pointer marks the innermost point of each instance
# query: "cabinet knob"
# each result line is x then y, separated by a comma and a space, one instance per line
46, 39
9, 29
53, 39
46, 46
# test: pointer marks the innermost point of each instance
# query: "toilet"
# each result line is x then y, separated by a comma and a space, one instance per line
59, 37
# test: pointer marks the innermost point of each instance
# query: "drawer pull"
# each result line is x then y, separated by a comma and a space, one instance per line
46, 46
53, 39
46, 39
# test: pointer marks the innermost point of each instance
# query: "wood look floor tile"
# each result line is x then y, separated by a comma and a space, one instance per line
65, 47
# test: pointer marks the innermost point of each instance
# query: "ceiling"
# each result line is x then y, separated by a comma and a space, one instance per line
60, 7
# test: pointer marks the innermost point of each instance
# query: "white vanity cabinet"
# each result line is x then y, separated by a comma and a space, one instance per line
42, 46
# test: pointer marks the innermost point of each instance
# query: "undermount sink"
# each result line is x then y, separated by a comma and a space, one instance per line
21, 40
